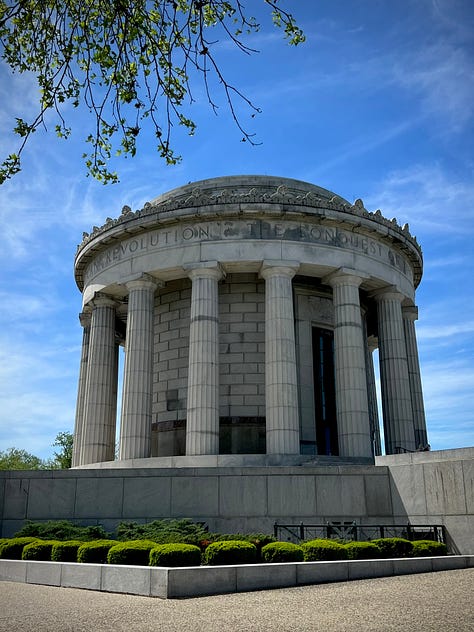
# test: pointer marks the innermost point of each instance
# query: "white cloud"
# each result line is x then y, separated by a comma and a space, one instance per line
429, 198
442, 77
436, 332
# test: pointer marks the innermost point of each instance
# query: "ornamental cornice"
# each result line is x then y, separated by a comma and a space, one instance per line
282, 195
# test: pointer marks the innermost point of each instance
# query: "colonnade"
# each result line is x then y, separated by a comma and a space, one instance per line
402, 401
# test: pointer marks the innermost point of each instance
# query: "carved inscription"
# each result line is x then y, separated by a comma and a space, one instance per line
242, 230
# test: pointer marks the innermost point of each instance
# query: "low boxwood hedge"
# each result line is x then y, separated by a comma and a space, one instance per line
282, 552
13, 548
259, 540
393, 547
38, 551
321, 549
133, 552
95, 552
230, 552
175, 555
65, 551
362, 550
426, 548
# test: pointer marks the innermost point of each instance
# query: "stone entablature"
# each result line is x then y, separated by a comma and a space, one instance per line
248, 307
200, 203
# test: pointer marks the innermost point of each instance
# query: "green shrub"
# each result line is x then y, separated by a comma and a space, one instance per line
426, 548
134, 552
259, 540
61, 530
362, 550
66, 551
393, 547
230, 552
175, 555
13, 548
95, 552
39, 550
321, 549
163, 531
282, 552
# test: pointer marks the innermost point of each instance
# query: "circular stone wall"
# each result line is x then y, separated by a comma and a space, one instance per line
248, 307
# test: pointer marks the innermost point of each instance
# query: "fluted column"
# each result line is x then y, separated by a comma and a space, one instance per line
350, 371
281, 393
395, 383
135, 427
100, 405
410, 315
85, 320
202, 416
371, 345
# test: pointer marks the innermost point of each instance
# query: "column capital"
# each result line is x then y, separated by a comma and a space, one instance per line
85, 318
345, 276
410, 312
372, 343
204, 269
277, 267
145, 281
100, 299
389, 293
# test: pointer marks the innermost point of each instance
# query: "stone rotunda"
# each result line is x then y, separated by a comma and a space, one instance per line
248, 308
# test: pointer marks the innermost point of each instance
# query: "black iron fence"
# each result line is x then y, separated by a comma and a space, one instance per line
352, 531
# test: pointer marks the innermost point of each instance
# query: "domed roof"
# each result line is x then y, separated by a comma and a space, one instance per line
243, 184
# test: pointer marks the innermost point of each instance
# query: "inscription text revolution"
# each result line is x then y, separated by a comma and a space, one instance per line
232, 230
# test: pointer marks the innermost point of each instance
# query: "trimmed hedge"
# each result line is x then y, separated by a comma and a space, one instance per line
38, 551
362, 550
282, 552
230, 552
321, 549
12, 549
393, 547
175, 555
259, 540
65, 551
426, 548
95, 552
134, 553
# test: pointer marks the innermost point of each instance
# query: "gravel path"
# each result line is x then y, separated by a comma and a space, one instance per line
438, 602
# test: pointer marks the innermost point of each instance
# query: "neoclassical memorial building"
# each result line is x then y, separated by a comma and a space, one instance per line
248, 308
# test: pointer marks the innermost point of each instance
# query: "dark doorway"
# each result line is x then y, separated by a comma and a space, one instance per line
324, 392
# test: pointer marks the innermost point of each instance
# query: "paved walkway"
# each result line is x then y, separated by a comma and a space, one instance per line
437, 602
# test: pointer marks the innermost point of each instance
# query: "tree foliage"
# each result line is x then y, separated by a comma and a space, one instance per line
63, 458
130, 62
17, 459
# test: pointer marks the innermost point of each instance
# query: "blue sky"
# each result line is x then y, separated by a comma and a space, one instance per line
377, 104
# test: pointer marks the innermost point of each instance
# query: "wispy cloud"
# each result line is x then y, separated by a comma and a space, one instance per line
433, 332
425, 195
442, 78
37, 393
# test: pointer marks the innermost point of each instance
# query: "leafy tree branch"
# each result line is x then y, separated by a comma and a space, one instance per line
130, 63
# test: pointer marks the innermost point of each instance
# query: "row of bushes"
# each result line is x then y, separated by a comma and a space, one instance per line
164, 531
147, 552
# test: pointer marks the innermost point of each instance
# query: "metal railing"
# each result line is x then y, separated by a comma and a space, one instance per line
353, 531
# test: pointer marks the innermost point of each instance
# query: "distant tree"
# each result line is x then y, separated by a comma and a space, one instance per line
130, 62
15, 459
63, 458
